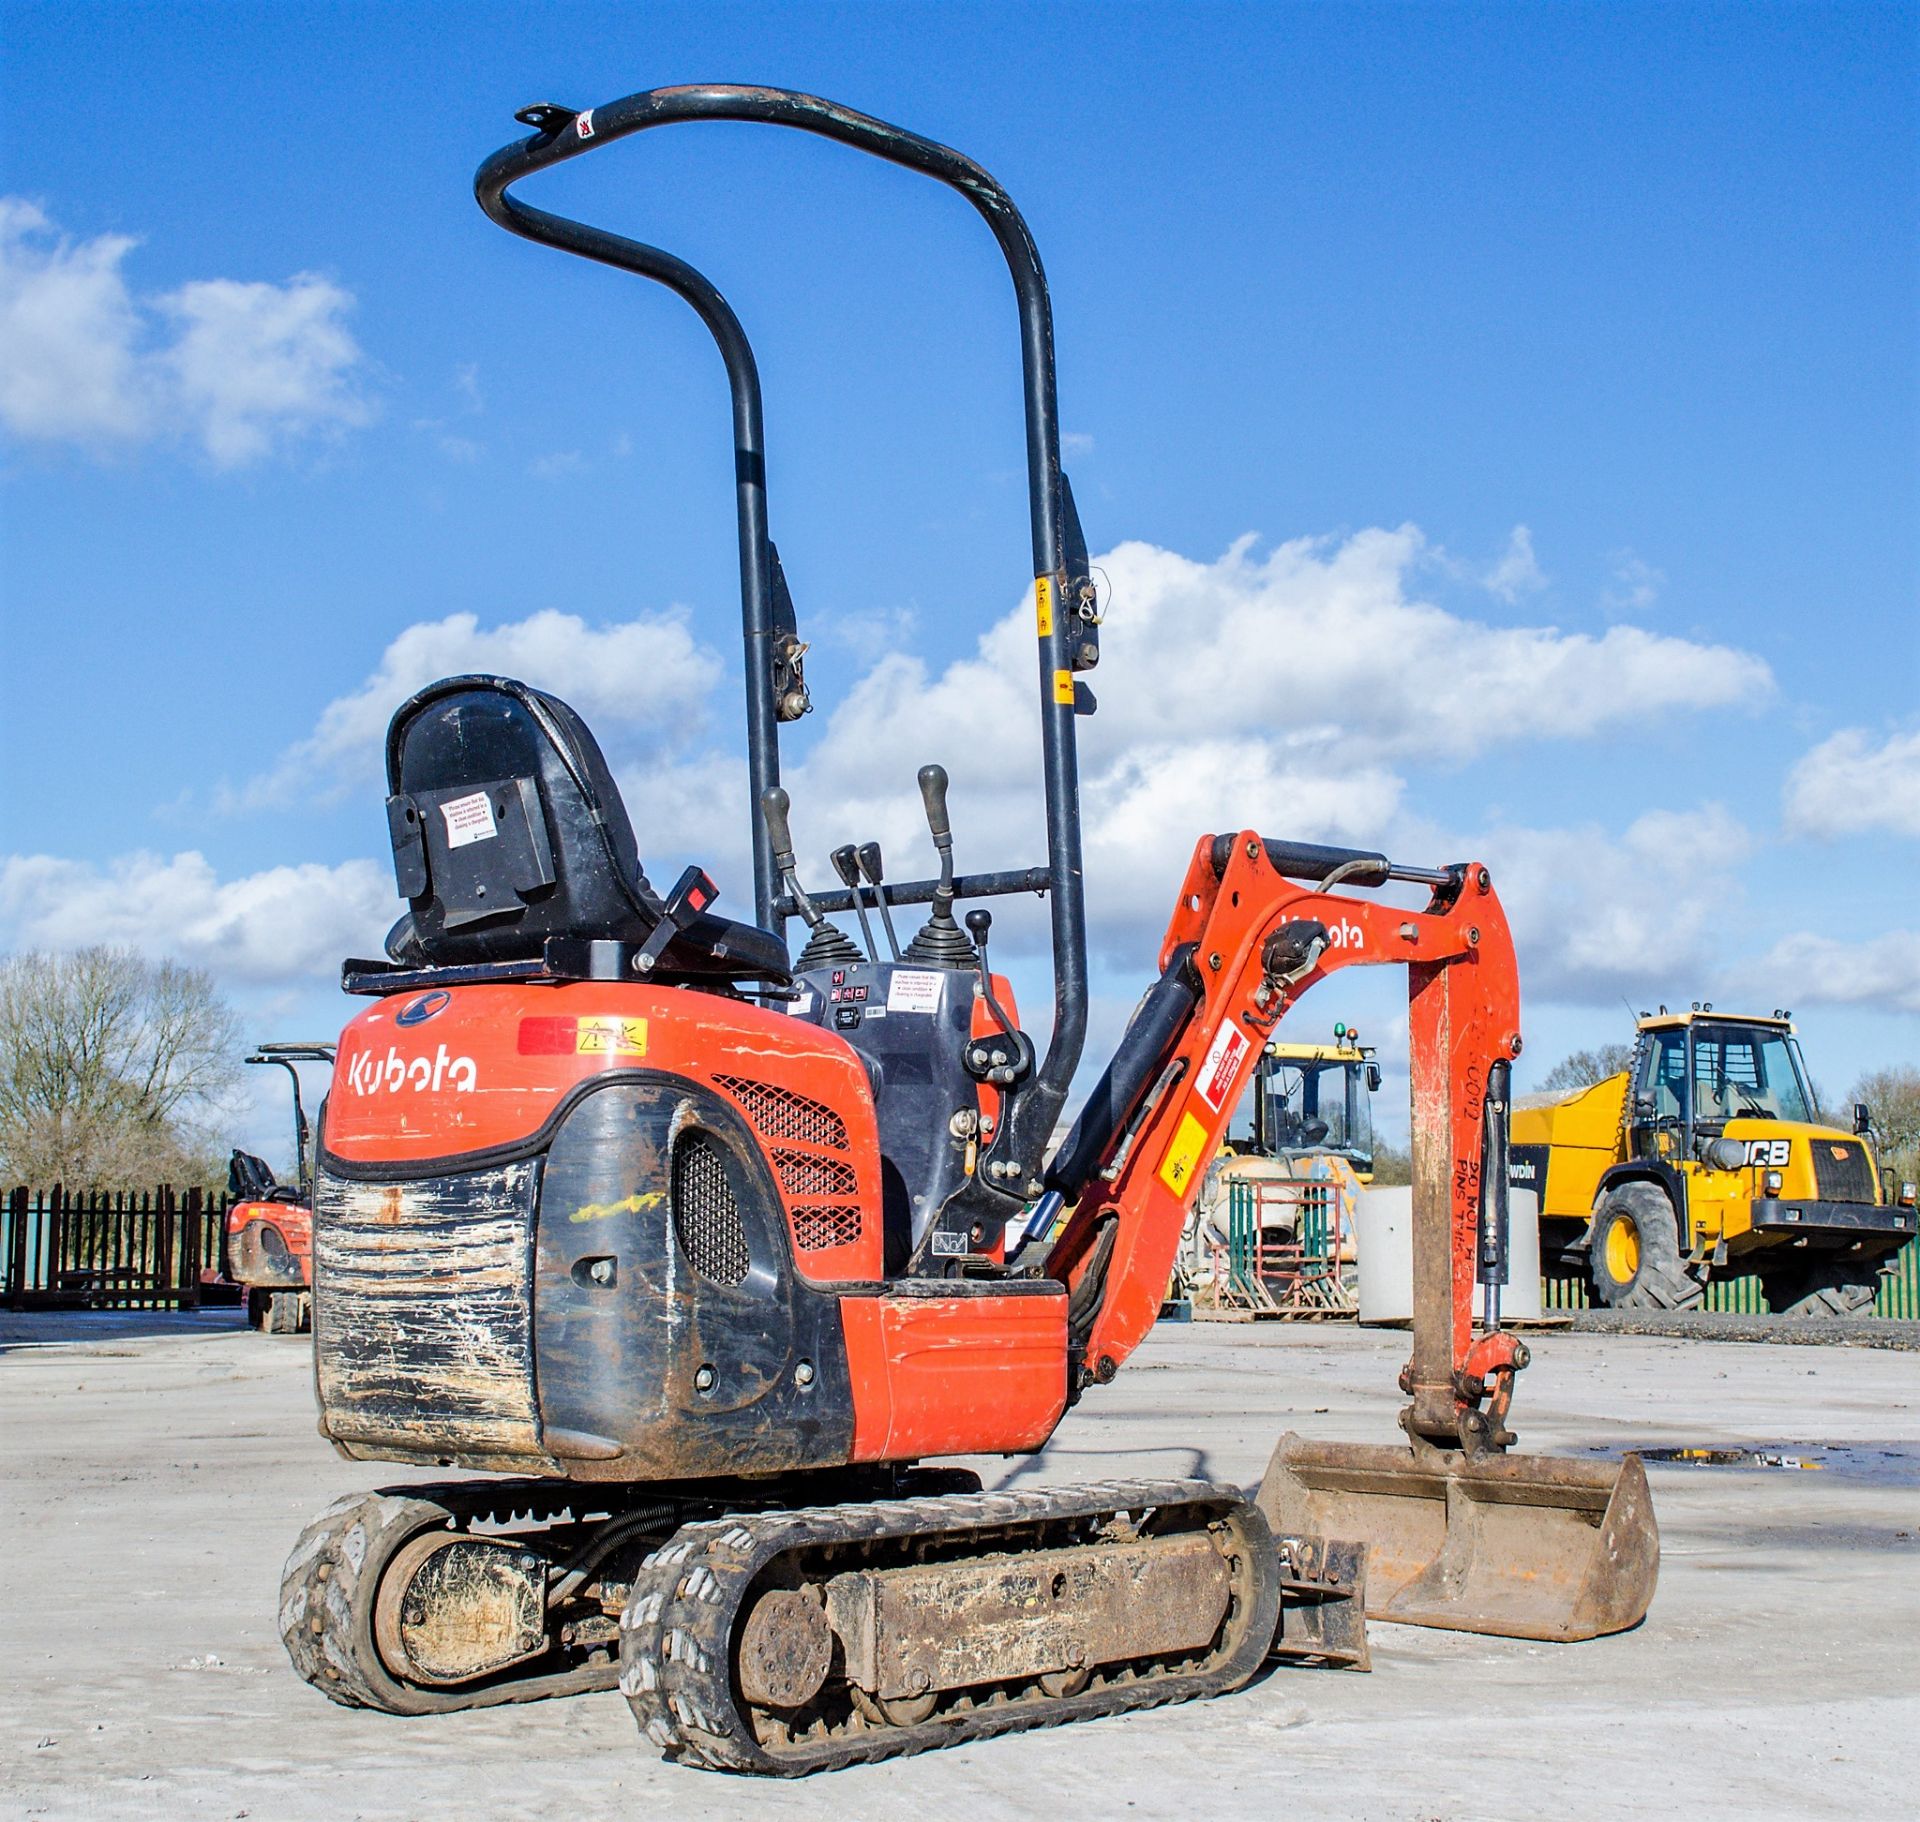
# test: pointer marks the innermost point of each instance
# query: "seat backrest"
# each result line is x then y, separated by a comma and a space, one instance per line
248, 1178
507, 828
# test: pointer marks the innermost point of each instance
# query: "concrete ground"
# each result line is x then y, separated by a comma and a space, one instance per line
157, 1470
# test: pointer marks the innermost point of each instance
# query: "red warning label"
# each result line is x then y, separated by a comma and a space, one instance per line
1222, 1064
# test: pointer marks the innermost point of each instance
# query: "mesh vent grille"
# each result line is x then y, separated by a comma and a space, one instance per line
1848, 1178
779, 1113
802, 1174
814, 1228
705, 1216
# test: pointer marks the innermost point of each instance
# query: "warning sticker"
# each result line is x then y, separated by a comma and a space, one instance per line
800, 1007
583, 124
1222, 1064
1183, 1155
611, 1037
469, 819
913, 992
1043, 604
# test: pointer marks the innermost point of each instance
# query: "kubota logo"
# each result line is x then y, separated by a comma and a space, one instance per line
396, 1074
1344, 935
428, 1005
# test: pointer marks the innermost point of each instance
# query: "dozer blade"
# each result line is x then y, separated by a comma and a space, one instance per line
1523, 1546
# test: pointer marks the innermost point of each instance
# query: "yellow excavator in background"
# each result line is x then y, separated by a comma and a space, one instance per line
1708, 1158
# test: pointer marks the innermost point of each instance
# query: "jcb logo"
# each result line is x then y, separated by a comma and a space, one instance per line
1344, 935
1773, 1153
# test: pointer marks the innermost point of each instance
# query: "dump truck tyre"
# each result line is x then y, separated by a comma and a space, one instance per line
1634, 1261
1825, 1287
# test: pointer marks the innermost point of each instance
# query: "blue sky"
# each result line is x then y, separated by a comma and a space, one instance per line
1558, 362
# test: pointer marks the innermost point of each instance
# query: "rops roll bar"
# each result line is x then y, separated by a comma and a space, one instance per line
1058, 551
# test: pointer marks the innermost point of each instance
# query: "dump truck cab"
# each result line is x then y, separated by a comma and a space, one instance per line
1708, 1157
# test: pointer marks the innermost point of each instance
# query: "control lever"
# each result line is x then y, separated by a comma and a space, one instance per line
847, 864
939, 939
827, 944
1001, 1063
774, 805
869, 858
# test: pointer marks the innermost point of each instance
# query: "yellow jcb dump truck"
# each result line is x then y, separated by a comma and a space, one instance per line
1707, 1158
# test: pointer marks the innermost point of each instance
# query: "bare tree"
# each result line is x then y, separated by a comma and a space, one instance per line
1893, 1097
1585, 1067
112, 1069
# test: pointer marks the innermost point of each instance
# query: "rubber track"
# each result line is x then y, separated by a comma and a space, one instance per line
327, 1587
676, 1632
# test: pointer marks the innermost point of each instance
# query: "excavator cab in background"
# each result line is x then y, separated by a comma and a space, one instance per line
1274, 1222
701, 1250
269, 1223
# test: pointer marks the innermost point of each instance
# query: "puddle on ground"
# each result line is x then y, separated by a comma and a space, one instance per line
1885, 1463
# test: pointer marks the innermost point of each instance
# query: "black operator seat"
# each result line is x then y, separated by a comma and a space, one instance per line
508, 829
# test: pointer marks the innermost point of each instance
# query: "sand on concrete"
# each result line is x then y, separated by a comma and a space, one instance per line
157, 1469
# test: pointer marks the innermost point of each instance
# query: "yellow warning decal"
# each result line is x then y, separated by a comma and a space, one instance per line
1043, 604
1063, 687
611, 1037
1183, 1155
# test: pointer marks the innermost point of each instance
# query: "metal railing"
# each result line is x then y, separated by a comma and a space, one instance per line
162, 1248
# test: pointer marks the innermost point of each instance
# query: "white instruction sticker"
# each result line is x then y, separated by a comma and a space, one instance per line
800, 1006
469, 819
1222, 1063
913, 992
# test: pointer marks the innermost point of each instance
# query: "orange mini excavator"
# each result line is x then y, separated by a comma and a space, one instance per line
707, 1249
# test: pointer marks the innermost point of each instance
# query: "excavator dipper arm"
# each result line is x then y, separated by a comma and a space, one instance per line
1458, 1533
1244, 944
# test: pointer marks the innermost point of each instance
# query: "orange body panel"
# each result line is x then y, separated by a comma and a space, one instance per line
251, 1262
973, 1375
478, 1069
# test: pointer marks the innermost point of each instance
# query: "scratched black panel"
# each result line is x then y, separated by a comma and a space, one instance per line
625, 1325
421, 1313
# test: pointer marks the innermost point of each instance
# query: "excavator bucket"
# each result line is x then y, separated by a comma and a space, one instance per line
1522, 1546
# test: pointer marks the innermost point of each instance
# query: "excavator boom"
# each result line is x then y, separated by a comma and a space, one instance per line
1459, 1533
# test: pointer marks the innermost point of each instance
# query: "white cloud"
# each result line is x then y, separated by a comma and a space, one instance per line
68, 329
1285, 694
240, 367
1596, 915
1518, 571
642, 682
256, 362
1636, 585
1848, 785
1882, 972
285, 924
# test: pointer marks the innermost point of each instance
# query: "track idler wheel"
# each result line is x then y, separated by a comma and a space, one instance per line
388, 1602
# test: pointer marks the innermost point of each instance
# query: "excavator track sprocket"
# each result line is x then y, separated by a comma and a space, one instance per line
736, 1606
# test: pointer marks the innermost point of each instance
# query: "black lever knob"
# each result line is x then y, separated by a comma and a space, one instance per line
774, 805
846, 863
979, 922
933, 794
868, 855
